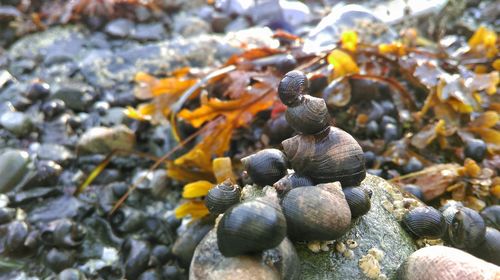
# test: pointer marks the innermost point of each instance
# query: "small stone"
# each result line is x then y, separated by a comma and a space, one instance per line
55, 152
76, 95
119, 28
13, 166
103, 140
149, 32
189, 26
16, 122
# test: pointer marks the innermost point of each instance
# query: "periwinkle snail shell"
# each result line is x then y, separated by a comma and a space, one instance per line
63, 233
266, 166
222, 196
250, 227
467, 229
424, 222
59, 260
358, 200
489, 249
491, 216
291, 181
332, 156
310, 116
292, 86
316, 212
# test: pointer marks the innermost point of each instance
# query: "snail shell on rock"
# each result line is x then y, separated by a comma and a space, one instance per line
467, 229
333, 155
317, 212
358, 199
489, 249
446, 263
424, 222
222, 196
250, 227
266, 166
292, 181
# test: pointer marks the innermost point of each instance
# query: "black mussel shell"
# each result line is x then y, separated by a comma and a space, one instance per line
266, 166
251, 227
291, 181
489, 249
222, 196
358, 199
467, 229
424, 222
491, 216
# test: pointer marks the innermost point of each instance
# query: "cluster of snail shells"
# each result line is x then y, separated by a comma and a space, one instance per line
312, 204
458, 226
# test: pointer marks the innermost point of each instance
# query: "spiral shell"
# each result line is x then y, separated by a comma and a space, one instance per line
266, 166
424, 222
316, 213
63, 233
332, 156
250, 227
358, 199
222, 196
293, 85
291, 181
491, 216
310, 116
467, 229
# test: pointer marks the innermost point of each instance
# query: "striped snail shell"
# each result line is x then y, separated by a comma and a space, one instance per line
424, 222
266, 166
222, 196
358, 199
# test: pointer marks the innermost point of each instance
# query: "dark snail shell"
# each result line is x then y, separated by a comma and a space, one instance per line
266, 166
489, 249
63, 233
292, 86
7, 215
222, 196
17, 233
135, 256
309, 117
250, 227
424, 222
491, 216
358, 200
332, 156
58, 260
316, 213
127, 219
467, 229
292, 181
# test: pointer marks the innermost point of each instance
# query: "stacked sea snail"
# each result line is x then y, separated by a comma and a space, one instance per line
311, 204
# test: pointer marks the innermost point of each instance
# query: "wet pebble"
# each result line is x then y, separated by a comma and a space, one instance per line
16, 122
104, 140
76, 95
148, 32
13, 164
119, 28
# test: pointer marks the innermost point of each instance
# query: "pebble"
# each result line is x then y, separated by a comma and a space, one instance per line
103, 140
55, 152
149, 32
120, 28
76, 95
16, 122
13, 166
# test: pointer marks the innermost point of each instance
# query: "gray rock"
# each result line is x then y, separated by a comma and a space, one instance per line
65, 206
113, 116
104, 140
188, 26
13, 167
149, 32
76, 95
55, 152
119, 27
16, 122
